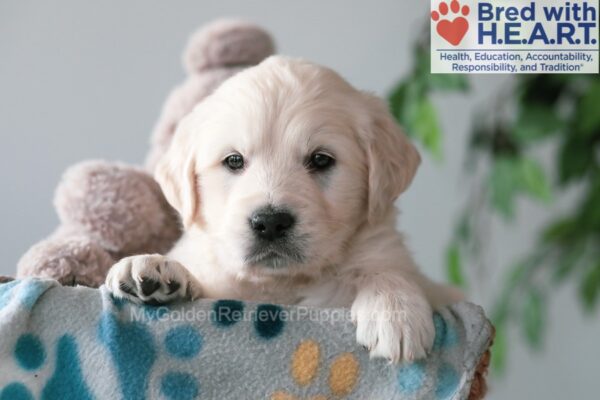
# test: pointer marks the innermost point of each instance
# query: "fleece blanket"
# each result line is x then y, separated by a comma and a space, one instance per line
60, 343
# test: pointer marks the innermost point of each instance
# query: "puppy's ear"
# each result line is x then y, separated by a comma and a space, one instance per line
392, 159
176, 175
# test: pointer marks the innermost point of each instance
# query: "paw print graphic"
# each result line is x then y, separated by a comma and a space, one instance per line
304, 369
452, 30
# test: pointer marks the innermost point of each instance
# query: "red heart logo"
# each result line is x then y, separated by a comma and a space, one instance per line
453, 31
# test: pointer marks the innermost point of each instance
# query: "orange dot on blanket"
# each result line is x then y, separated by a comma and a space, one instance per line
282, 396
305, 362
343, 374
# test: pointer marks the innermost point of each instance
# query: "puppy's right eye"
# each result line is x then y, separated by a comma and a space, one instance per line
234, 162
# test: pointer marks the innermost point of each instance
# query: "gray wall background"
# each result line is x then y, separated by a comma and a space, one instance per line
82, 80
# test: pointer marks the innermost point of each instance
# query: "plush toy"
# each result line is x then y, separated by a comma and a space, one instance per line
112, 210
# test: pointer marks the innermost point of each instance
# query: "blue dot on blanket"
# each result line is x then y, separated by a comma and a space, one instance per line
179, 386
445, 334
132, 349
15, 391
67, 381
183, 342
6, 292
227, 312
29, 352
411, 377
268, 321
440, 330
447, 382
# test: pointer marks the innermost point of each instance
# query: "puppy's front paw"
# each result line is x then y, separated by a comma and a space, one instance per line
392, 327
151, 279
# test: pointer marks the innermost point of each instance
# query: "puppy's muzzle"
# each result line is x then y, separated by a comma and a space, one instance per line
270, 224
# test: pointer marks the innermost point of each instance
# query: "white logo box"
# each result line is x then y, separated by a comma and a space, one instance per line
514, 36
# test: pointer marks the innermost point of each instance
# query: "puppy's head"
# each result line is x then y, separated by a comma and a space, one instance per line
283, 165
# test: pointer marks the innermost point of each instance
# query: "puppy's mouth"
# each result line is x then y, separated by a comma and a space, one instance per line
275, 256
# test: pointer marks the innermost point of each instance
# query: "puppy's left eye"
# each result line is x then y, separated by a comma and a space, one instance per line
234, 162
319, 162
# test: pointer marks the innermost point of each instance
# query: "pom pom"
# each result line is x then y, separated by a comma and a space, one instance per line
227, 43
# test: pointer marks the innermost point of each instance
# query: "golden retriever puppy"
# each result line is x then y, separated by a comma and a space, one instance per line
285, 179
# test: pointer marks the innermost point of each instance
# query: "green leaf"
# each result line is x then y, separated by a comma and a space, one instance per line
504, 184
422, 66
449, 82
542, 89
534, 181
576, 159
463, 231
561, 231
587, 119
589, 210
397, 99
533, 318
424, 123
454, 266
510, 176
535, 121
567, 262
405, 101
499, 348
518, 274
589, 288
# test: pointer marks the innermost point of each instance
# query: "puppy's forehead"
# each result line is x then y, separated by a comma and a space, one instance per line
285, 101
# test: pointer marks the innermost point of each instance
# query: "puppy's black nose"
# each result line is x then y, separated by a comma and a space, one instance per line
271, 224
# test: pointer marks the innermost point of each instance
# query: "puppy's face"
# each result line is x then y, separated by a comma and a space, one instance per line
282, 165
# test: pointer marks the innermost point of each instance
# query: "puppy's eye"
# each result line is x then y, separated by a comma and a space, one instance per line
320, 161
234, 162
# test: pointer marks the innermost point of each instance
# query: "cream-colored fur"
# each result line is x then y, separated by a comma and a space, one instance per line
276, 115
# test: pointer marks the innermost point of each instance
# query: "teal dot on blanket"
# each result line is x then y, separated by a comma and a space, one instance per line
133, 352
227, 312
29, 352
67, 381
183, 342
268, 321
447, 382
445, 334
440, 330
15, 391
179, 386
411, 377
6, 290
31, 290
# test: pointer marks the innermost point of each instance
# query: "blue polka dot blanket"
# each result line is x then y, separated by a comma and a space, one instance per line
60, 343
